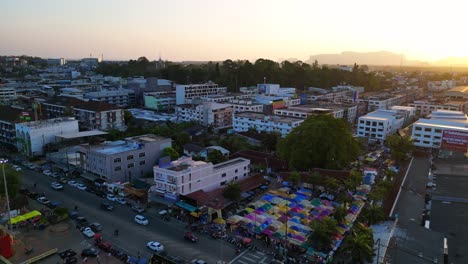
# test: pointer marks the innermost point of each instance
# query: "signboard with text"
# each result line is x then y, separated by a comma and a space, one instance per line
279, 104
455, 140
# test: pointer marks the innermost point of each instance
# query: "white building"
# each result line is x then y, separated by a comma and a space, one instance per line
206, 114
7, 94
185, 92
444, 129
121, 97
348, 112
425, 108
378, 125
440, 86
33, 136
159, 100
185, 175
72, 92
242, 122
239, 106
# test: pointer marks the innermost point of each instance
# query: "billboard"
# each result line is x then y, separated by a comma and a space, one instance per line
455, 140
262, 88
303, 98
278, 104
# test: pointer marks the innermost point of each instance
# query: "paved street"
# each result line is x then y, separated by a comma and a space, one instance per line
249, 257
132, 237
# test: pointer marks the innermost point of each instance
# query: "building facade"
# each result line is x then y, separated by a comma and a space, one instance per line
244, 121
7, 94
425, 108
123, 160
99, 116
33, 136
159, 102
378, 125
206, 114
185, 175
186, 92
121, 97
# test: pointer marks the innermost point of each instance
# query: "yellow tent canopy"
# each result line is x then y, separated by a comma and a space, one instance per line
219, 221
25, 217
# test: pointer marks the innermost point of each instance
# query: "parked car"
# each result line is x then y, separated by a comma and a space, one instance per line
107, 207
24, 191
155, 246
56, 186
100, 193
72, 260
54, 175
47, 172
106, 246
67, 254
139, 219
190, 237
33, 195
198, 261
96, 227
16, 168
63, 180
43, 200
121, 200
89, 252
72, 183
81, 187
73, 215
81, 220
111, 197
53, 204
88, 232
138, 209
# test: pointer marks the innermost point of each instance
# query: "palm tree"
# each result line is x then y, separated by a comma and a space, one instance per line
340, 214
373, 214
360, 244
323, 230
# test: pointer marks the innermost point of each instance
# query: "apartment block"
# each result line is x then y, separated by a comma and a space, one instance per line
425, 108
244, 121
186, 92
206, 114
378, 125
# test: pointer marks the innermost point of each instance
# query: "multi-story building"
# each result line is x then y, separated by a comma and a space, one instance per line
207, 114
425, 108
123, 160
9, 117
378, 125
186, 92
121, 97
244, 121
373, 101
345, 111
457, 93
7, 94
185, 175
160, 101
444, 129
33, 136
99, 116
239, 106
440, 86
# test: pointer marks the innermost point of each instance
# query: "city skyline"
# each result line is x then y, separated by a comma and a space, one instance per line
216, 30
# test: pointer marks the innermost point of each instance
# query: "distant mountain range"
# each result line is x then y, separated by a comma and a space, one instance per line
365, 58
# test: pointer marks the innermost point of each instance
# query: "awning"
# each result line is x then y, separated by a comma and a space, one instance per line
186, 206
25, 217
219, 221
195, 214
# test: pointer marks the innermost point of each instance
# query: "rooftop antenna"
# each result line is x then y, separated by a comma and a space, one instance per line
90, 55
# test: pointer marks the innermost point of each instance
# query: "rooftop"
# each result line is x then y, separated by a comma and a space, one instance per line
96, 106
48, 122
82, 134
273, 118
229, 163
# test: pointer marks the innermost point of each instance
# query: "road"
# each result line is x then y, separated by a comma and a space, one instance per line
132, 237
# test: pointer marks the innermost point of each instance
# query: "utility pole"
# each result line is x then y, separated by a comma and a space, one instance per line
3, 161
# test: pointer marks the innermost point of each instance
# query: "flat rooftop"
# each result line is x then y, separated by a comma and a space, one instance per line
229, 163
273, 118
110, 149
82, 134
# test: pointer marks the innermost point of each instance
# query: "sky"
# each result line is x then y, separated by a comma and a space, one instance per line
201, 30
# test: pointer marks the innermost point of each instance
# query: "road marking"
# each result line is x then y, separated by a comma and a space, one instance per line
245, 257
261, 253
242, 262
255, 256
261, 261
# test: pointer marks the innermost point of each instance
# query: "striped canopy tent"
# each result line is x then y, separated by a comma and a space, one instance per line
234, 219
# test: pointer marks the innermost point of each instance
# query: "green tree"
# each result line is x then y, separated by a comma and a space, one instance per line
323, 230
295, 178
373, 214
399, 146
270, 140
331, 184
13, 179
232, 191
360, 244
128, 117
171, 153
215, 156
320, 141
353, 180
340, 213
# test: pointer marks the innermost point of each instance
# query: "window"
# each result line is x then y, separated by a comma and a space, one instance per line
235, 171
142, 162
129, 157
418, 128
142, 154
245, 174
438, 131
223, 175
245, 168
235, 178
117, 160
182, 178
222, 183
190, 176
130, 165
118, 168
427, 129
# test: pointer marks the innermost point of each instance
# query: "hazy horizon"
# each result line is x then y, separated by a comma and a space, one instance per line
184, 30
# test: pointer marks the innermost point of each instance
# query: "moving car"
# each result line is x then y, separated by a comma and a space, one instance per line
89, 252
155, 246
107, 207
81, 187
111, 197
56, 186
88, 232
43, 200
190, 237
139, 219
137, 209
96, 227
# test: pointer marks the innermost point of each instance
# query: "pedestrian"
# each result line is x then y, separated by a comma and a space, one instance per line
35, 185
76, 207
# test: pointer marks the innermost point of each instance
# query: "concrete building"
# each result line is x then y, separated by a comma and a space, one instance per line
9, 117
160, 101
100, 116
378, 125
425, 108
440, 86
123, 160
72, 92
460, 92
33, 136
185, 176
121, 97
444, 129
345, 111
239, 106
186, 92
206, 114
7, 94
252, 120
374, 101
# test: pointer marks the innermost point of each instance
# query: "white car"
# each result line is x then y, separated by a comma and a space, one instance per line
141, 220
88, 232
16, 168
56, 186
155, 246
111, 197
121, 200
72, 183
54, 175
43, 200
198, 261
47, 172
81, 186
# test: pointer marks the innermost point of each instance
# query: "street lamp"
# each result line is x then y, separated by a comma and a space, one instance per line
3, 161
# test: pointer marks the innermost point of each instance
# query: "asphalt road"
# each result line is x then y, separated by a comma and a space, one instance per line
132, 237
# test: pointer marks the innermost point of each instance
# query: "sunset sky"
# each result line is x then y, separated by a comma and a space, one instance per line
240, 29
